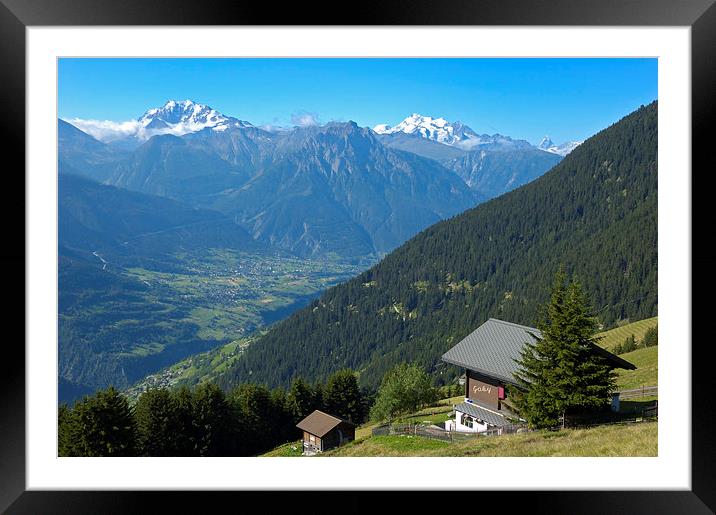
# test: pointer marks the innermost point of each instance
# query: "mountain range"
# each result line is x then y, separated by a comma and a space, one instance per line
187, 229
458, 135
174, 117
595, 213
332, 190
565, 148
489, 164
455, 134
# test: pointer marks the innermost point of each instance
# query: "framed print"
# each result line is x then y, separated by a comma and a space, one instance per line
205, 184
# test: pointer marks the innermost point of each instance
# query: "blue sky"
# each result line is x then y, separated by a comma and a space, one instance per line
569, 99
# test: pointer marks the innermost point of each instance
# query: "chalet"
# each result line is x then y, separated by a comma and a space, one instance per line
489, 355
322, 431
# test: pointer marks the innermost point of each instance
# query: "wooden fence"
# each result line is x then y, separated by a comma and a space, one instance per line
440, 434
649, 413
644, 391
413, 429
604, 419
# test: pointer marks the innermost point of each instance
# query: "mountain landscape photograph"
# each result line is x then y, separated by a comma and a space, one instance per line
357, 257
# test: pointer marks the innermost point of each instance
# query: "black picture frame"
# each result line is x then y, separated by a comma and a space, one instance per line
17, 15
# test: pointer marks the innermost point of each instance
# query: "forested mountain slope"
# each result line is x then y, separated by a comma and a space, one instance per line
595, 212
117, 222
145, 281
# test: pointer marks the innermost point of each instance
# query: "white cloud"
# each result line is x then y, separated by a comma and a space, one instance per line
106, 130
275, 128
305, 119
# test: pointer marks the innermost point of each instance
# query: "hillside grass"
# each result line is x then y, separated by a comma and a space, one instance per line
287, 450
617, 335
646, 359
646, 373
434, 414
637, 439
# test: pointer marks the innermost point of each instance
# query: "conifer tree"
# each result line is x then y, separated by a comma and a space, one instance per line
560, 372
156, 417
67, 432
253, 415
302, 399
651, 337
342, 396
105, 425
628, 345
280, 423
185, 438
211, 418
319, 397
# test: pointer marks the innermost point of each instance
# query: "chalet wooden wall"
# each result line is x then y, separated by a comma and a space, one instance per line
482, 389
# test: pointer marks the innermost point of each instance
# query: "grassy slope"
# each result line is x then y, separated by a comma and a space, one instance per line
619, 334
646, 373
618, 440
287, 450
645, 359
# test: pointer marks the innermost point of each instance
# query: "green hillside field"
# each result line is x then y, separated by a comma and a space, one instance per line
617, 335
637, 439
646, 361
617, 440
645, 358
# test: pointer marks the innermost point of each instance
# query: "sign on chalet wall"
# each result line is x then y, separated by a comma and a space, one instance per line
479, 389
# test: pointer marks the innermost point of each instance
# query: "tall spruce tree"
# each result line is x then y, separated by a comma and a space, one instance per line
560, 372
252, 410
157, 424
342, 397
185, 437
212, 420
281, 424
302, 399
67, 432
103, 425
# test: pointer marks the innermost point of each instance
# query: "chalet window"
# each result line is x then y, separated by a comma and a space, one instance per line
466, 420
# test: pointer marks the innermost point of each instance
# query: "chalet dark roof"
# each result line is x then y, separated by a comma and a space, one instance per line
492, 418
492, 349
319, 423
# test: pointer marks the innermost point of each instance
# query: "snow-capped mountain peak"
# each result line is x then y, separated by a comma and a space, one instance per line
455, 134
436, 129
545, 143
185, 116
174, 117
565, 148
